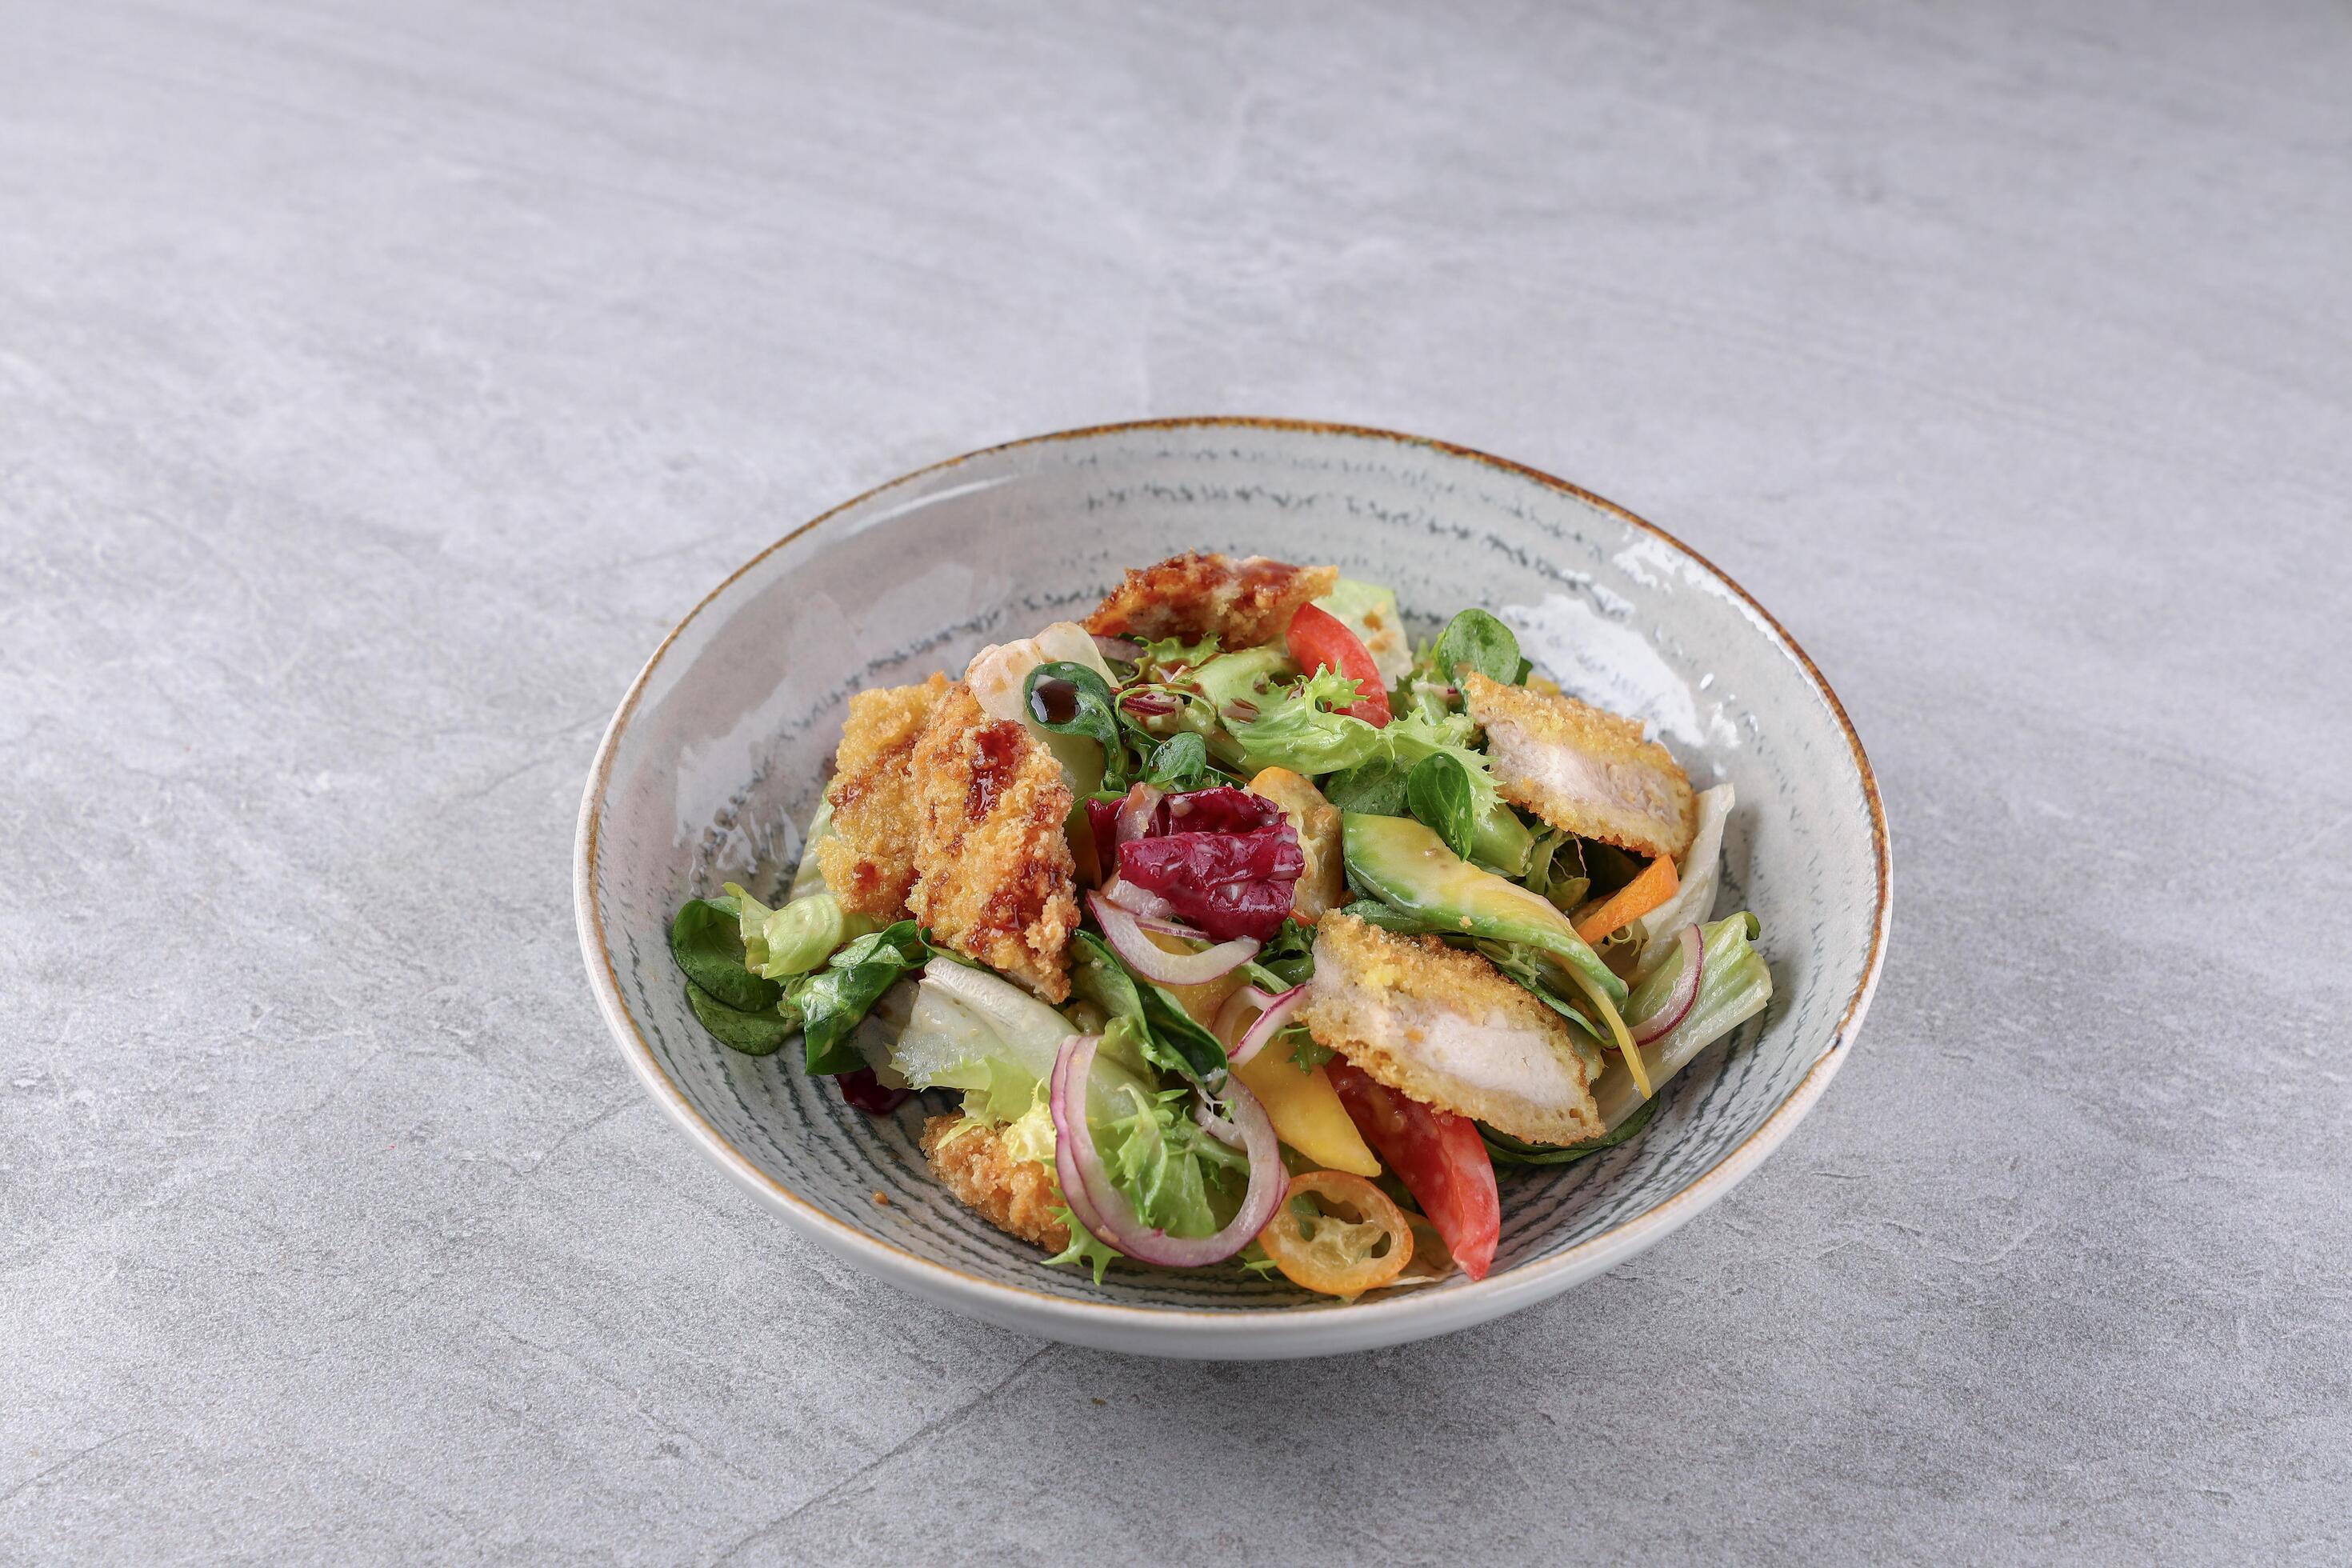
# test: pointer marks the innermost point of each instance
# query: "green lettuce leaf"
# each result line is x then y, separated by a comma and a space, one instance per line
1085, 1249
1476, 640
1300, 732
1178, 762
706, 939
1375, 786
1246, 675
1180, 1179
1094, 715
1169, 1038
1439, 792
1734, 986
754, 1034
833, 1000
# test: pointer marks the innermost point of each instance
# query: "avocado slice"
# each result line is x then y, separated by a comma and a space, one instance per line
1503, 841
1409, 867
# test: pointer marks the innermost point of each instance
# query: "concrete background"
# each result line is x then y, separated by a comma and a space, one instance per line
378, 383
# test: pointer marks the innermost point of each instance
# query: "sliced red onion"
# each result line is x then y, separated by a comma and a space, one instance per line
1214, 1125
1241, 710
1135, 811
1125, 649
1686, 991
1234, 1018
1103, 1209
1140, 903
1270, 1023
1155, 963
1166, 927
1148, 704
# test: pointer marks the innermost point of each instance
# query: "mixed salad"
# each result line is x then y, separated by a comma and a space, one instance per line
1228, 929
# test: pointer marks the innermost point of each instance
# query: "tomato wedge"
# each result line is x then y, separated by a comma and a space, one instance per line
1438, 1156
1322, 640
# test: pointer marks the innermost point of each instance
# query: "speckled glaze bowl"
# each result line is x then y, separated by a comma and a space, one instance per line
716, 756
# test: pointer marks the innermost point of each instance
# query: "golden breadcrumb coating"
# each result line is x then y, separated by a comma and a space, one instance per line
870, 865
1243, 603
1583, 770
1016, 1196
1441, 1024
994, 875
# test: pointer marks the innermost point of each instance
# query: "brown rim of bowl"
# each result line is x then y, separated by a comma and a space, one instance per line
1662, 1218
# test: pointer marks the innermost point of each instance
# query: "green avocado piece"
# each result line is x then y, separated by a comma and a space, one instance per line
1409, 867
1503, 841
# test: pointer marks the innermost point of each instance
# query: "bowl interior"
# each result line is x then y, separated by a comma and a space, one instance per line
719, 756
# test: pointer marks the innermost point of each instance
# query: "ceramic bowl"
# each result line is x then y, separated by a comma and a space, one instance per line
718, 751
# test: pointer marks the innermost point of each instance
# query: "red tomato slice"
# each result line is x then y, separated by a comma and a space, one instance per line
1438, 1156
1322, 640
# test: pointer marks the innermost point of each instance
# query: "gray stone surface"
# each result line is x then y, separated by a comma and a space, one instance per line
378, 383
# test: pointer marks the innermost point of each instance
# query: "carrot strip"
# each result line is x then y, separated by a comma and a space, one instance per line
1629, 903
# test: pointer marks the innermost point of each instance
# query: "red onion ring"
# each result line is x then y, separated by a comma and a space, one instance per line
1155, 963
1104, 1210
1135, 812
1125, 649
1140, 903
1679, 1001
1214, 1125
1233, 1019
1270, 1023
1169, 928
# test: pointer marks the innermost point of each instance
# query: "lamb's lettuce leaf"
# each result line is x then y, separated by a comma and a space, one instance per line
1094, 716
754, 1034
1439, 792
706, 939
1375, 788
1476, 640
832, 1000
1168, 1036
1178, 762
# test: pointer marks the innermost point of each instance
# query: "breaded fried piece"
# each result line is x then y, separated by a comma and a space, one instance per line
994, 879
1583, 770
1442, 1026
870, 864
1242, 602
1016, 1196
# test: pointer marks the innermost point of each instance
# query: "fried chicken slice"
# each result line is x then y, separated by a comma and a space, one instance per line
1583, 770
1242, 602
1439, 1024
994, 879
1016, 1196
869, 865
